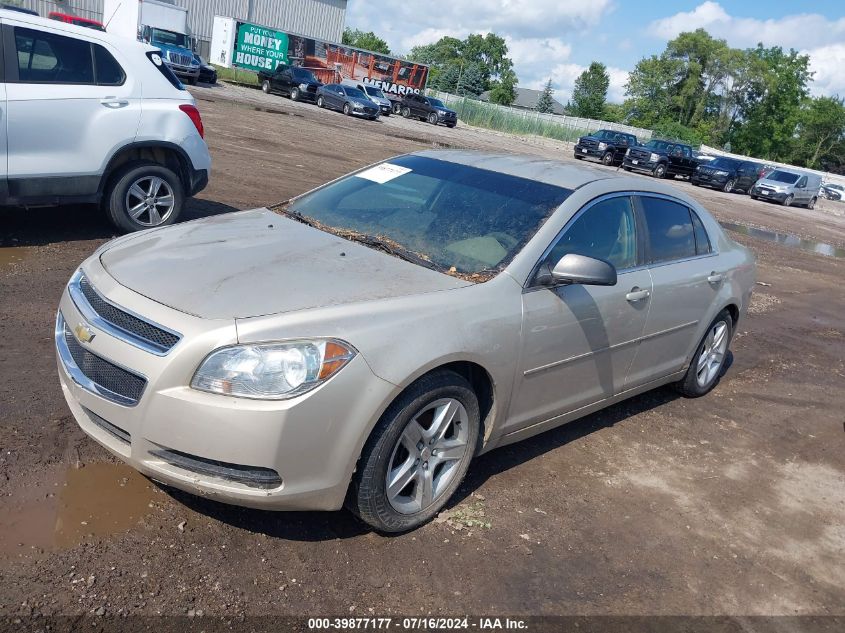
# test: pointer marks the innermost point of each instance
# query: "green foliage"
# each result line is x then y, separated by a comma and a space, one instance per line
820, 139
545, 103
614, 112
471, 82
488, 53
503, 91
590, 92
369, 41
448, 79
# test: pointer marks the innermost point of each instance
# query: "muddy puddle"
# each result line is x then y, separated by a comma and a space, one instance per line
10, 255
787, 239
95, 501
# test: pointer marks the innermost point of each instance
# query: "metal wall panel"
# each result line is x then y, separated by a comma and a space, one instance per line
322, 19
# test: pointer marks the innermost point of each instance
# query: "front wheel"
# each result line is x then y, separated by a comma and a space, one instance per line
346, 109
320, 102
265, 87
788, 200
406, 112
811, 204
707, 364
142, 196
417, 455
729, 186
659, 171
432, 118
607, 159
294, 94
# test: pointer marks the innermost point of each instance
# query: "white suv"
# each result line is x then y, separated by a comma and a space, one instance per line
86, 117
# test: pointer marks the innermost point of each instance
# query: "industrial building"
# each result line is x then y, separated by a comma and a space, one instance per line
321, 19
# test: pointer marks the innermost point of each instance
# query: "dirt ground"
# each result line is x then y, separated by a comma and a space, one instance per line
730, 504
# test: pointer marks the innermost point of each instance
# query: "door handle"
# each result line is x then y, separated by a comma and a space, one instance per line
114, 102
715, 277
637, 295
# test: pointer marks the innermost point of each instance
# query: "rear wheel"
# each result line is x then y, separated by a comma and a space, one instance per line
143, 195
659, 171
707, 364
607, 159
265, 87
417, 455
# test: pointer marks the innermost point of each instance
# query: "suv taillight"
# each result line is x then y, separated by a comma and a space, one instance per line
195, 117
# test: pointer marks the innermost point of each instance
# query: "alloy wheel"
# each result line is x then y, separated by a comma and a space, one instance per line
712, 355
659, 171
150, 201
427, 455
432, 118
320, 102
265, 87
729, 186
607, 159
346, 108
294, 94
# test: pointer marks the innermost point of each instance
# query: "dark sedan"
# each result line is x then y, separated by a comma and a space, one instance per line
208, 73
348, 100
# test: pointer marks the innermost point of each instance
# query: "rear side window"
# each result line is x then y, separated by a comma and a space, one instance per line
670, 231
54, 59
702, 240
607, 230
109, 72
164, 69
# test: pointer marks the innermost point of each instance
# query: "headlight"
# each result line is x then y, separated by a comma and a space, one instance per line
303, 87
721, 172
357, 105
653, 158
272, 371
628, 152
441, 114
602, 145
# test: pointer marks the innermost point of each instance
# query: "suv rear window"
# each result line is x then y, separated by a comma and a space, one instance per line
164, 69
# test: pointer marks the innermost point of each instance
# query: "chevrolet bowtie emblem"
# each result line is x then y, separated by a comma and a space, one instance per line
84, 333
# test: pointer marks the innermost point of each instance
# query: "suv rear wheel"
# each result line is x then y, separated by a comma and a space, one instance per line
143, 195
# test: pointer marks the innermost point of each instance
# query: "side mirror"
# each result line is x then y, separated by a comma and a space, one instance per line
580, 269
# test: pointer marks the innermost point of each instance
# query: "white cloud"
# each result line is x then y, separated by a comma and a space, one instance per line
563, 78
827, 53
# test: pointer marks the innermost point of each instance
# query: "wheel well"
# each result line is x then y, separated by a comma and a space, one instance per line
165, 156
734, 312
481, 384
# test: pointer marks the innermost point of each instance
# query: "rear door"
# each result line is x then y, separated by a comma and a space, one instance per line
70, 104
686, 281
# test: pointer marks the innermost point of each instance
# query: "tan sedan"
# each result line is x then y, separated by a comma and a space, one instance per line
363, 342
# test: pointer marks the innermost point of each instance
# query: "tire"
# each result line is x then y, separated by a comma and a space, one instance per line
450, 125
754, 197
320, 102
729, 186
578, 157
121, 197
369, 495
811, 204
659, 171
396, 108
607, 159
265, 87
406, 112
347, 110
626, 168
192, 81
692, 385
294, 94
432, 118
788, 200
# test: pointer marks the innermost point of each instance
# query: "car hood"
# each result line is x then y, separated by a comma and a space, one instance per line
363, 102
774, 184
256, 263
446, 110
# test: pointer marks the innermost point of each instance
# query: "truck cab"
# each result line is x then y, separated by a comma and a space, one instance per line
177, 51
661, 159
608, 146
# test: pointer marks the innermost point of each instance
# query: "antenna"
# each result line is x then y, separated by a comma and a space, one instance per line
113, 14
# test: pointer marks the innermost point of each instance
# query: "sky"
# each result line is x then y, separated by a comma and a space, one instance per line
558, 39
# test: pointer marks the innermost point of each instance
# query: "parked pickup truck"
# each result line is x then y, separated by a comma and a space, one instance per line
606, 145
661, 158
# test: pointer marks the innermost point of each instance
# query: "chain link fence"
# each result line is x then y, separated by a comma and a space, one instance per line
522, 121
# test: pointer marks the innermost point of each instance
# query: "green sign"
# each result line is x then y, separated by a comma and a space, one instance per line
258, 48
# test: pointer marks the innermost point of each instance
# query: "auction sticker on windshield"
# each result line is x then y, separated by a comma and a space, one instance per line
383, 173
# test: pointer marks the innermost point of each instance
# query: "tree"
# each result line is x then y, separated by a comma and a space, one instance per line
503, 91
369, 41
545, 103
487, 52
820, 142
590, 92
471, 83
448, 79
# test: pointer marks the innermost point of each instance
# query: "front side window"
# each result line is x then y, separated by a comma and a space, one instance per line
670, 231
54, 59
606, 230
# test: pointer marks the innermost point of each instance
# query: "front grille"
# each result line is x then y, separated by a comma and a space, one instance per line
161, 340
252, 476
640, 154
589, 143
114, 383
179, 58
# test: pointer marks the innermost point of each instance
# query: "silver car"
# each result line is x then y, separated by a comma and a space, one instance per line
361, 343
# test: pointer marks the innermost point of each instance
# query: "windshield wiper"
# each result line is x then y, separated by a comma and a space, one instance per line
296, 215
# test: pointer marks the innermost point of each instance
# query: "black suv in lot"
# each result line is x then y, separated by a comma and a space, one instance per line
661, 158
293, 81
727, 174
427, 109
606, 145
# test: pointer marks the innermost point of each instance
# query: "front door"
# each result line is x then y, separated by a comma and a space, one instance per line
72, 106
579, 341
685, 287
3, 122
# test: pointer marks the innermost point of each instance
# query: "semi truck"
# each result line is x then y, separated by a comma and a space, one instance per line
158, 23
261, 49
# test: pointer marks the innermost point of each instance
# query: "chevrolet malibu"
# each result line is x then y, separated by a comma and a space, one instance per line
361, 343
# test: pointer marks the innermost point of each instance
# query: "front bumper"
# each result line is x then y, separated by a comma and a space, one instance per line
636, 164
717, 182
768, 194
300, 452
591, 152
187, 72
364, 114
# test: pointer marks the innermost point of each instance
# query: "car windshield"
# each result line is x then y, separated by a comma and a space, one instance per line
662, 146
303, 76
601, 134
437, 103
374, 92
465, 221
169, 38
355, 93
724, 163
783, 176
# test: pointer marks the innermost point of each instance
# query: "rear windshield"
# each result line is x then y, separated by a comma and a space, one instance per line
783, 176
462, 219
724, 163
164, 69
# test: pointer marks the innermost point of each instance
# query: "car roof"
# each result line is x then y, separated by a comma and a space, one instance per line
55, 25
